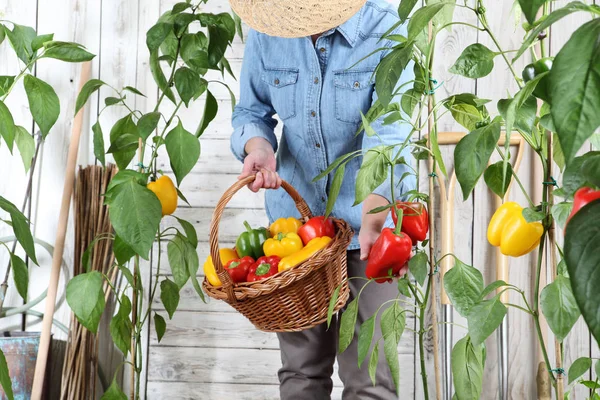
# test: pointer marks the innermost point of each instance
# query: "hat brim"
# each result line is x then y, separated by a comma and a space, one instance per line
292, 19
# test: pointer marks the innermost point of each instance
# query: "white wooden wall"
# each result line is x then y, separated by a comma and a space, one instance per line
209, 351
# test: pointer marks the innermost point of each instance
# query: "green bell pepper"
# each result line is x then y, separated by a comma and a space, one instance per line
250, 243
534, 69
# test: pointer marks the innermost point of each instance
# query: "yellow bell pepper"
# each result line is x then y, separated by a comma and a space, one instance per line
285, 225
166, 192
226, 255
509, 230
308, 251
283, 245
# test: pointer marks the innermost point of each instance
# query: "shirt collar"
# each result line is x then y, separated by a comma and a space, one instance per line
349, 29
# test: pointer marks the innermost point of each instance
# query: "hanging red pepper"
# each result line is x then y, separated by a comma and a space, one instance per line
316, 227
582, 197
389, 255
415, 221
238, 268
263, 268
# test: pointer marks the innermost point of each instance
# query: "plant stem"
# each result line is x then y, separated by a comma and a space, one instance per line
422, 331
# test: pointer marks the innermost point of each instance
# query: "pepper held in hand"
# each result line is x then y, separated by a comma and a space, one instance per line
250, 243
415, 221
263, 268
510, 231
389, 255
316, 227
582, 197
238, 269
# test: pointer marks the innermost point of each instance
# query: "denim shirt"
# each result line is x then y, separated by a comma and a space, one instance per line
318, 93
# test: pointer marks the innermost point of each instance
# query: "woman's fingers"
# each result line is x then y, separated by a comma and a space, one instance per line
258, 182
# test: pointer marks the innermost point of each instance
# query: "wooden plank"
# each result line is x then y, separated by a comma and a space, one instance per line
215, 158
205, 190
218, 391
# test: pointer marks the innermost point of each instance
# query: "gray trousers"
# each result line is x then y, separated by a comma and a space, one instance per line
307, 357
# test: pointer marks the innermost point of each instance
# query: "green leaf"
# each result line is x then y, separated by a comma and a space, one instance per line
372, 173
532, 215
583, 262
332, 303
5, 380
26, 145
348, 325
466, 114
365, 336
373, 361
111, 101
573, 178
123, 253
124, 141
114, 392
590, 169
389, 71
86, 298
560, 213
134, 90
403, 287
210, 112
467, 368
169, 295
135, 213
597, 368
20, 227
492, 287
194, 51
190, 231
421, 18
590, 385
417, 266
493, 178
157, 34
160, 325
182, 197
182, 259
334, 189
20, 275
530, 8
7, 126
20, 38
476, 61
147, 124
484, 317
576, 101
6, 81
68, 52
159, 76
238, 26
98, 143
393, 322
463, 284
553, 17
525, 113
578, 368
472, 154
409, 102
217, 44
340, 160
369, 131
380, 209
43, 103
184, 151
187, 83
2, 34
405, 8
86, 91
121, 327
557, 153
512, 111
39, 41
559, 307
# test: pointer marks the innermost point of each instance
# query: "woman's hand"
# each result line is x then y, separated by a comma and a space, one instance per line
372, 224
260, 160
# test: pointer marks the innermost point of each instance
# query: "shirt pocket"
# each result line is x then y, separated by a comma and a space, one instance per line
353, 94
282, 86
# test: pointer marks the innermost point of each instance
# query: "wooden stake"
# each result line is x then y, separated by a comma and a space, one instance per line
59, 246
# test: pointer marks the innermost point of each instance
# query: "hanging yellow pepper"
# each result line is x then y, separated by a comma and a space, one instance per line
166, 192
307, 252
285, 225
509, 230
226, 255
283, 245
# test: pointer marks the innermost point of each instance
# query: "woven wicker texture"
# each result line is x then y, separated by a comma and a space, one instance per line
292, 300
291, 19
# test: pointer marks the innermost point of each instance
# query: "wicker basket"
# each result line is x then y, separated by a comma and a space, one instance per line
292, 300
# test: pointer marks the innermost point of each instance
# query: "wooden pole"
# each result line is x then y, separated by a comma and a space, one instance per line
59, 246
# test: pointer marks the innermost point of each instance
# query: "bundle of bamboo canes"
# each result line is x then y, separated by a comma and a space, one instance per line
80, 368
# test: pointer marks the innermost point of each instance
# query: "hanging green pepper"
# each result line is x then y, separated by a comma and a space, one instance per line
250, 243
534, 69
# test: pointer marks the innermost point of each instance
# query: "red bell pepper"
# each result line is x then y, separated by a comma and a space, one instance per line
263, 268
583, 196
316, 227
238, 268
389, 255
415, 221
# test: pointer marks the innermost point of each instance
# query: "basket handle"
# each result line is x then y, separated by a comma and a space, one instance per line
216, 219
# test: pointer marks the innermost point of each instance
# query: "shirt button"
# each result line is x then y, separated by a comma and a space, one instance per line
356, 84
316, 81
276, 81
323, 199
318, 145
313, 114
322, 49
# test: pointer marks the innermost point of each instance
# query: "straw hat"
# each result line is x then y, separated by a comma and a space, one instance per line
295, 18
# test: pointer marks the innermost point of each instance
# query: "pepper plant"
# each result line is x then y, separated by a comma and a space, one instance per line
555, 111
184, 45
30, 48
